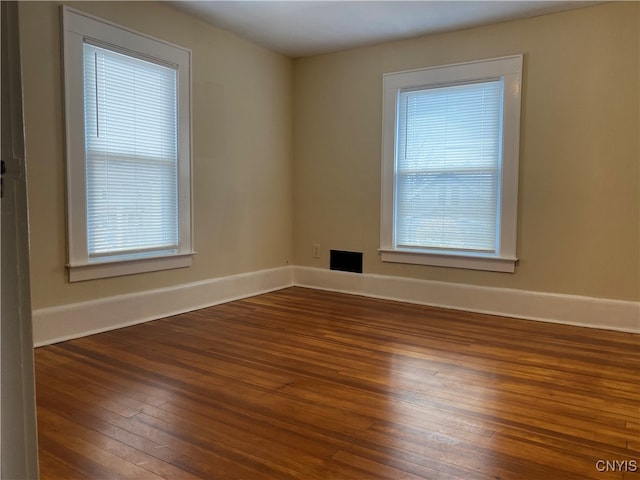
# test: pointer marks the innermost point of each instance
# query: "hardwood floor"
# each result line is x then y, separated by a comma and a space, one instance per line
311, 385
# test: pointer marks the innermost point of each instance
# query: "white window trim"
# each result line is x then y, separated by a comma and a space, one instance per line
510, 70
78, 26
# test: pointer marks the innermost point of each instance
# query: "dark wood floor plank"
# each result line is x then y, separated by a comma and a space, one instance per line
302, 384
135, 456
53, 468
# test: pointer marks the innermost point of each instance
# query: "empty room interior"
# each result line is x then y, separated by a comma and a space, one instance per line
412, 256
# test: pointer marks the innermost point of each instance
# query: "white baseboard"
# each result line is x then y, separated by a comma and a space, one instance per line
548, 307
56, 324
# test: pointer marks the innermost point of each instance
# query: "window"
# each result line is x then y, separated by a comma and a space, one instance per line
127, 106
450, 165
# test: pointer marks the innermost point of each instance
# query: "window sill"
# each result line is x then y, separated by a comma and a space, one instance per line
91, 271
470, 262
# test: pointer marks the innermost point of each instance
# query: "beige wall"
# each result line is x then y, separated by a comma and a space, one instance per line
578, 229
241, 150
287, 153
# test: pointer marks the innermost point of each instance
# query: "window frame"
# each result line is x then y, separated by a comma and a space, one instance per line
77, 27
509, 69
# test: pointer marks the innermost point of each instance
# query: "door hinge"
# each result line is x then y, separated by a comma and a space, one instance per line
3, 169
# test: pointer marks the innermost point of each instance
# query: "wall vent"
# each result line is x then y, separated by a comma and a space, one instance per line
345, 261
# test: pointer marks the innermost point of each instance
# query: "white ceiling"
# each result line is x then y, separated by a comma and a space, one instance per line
303, 28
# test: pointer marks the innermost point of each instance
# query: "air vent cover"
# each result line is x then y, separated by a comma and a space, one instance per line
345, 261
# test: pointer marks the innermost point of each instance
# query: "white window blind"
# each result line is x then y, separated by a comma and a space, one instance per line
131, 143
448, 167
